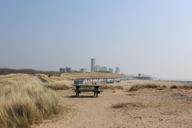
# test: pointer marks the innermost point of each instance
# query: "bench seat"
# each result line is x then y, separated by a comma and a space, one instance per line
87, 88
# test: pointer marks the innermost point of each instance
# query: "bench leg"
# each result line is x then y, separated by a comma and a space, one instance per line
77, 93
95, 94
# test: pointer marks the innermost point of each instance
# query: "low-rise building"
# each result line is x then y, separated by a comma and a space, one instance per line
64, 70
117, 70
103, 69
110, 70
83, 70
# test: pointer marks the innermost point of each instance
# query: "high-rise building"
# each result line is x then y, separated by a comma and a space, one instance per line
92, 65
117, 70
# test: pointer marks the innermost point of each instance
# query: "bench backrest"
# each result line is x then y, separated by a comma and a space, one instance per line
78, 82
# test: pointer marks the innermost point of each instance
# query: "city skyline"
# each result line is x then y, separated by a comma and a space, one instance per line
95, 67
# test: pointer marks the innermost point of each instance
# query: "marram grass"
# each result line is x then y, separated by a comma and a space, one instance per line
23, 105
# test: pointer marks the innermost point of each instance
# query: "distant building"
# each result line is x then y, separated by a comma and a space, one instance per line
92, 65
103, 69
97, 68
117, 70
64, 70
83, 70
143, 77
110, 70
61, 70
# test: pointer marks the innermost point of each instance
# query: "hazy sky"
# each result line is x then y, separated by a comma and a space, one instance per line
140, 36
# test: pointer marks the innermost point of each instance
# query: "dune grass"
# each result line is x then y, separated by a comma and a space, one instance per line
187, 87
58, 86
153, 86
159, 87
54, 84
23, 103
112, 87
90, 75
129, 106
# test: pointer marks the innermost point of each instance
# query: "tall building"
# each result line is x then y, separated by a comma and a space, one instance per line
92, 65
117, 70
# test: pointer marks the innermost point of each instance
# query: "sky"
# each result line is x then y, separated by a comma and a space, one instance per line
139, 36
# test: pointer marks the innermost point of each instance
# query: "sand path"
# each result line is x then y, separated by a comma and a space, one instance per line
86, 111
145, 109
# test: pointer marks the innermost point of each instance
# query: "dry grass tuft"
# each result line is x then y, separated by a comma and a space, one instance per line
58, 86
173, 87
153, 86
129, 106
23, 103
112, 87
159, 87
187, 87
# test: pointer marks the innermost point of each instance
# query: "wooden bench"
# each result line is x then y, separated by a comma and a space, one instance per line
87, 88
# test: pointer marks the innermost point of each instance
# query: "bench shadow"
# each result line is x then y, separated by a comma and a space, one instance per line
83, 96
